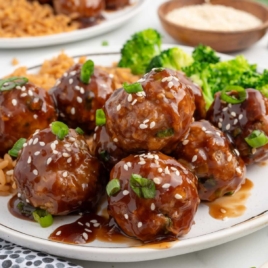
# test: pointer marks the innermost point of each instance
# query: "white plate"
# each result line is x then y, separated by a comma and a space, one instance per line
113, 20
206, 232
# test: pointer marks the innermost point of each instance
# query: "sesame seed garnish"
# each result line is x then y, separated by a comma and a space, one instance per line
35, 116
35, 141
141, 94
96, 224
178, 196
238, 170
14, 102
233, 114
118, 107
49, 160
240, 116
129, 98
35, 172
220, 119
126, 167
235, 121
133, 102
10, 172
142, 162
93, 221
223, 210
73, 110
185, 142
87, 230
65, 155
115, 140
208, 132
139, 224
254, 150
143, 126
65, 174
225, 109
194, 158
204, 129
29, 160
87, 224
94, 136
229, 158
27, 200
79, 99
156, 180
30, 92
160, 170
152, 206
19, 194
228, 126
69, 160
152, 124
230, 105
185, 171
85, 236
71, 81
72, 73
126, 216
80, 223
23, 95
177, 173
125, 192
58, 233
173, 168
53, 146
24, 144
129, 164
156, 156
82, 91
219, 124
167, 170
65, 74
170, 84
166, 185
72, 139
37, 153
146, 121
236, 152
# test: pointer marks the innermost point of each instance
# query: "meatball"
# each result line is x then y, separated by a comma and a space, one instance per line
77, 102
155, 118
157, 197
240, 120
23, 109
116, 4
80, 8
206, 151
59, 176
105, 149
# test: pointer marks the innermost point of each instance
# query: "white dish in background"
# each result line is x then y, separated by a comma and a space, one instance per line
113, 20
206, 232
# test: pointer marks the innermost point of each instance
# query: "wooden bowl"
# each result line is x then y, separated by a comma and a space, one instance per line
219, 40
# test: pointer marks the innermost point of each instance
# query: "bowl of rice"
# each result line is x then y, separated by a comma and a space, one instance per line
224, 25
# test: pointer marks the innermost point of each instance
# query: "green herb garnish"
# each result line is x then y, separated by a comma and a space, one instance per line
59, 129
100, 117
165, 133
132, 88
17, 147
104, 43
79, 131
144, 188
240, 97
12, 82
42, 217
86, 71
113, 187
105, 156
256, 139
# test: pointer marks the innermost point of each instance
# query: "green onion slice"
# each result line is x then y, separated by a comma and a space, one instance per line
86, 71
256, 139
132, 88
100, 117
158, 69
113, 187
79, 131
165, 133
42, 217
12, 82
17, 147
242, 94
143, 188
59, 129
104, 155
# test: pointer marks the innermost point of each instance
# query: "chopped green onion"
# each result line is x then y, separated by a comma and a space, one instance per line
229, 193
59, 129
159, 69
165, 133
100, 117
105, 156
104, 43
17, 147
12, 82
132, 88
256, 139
144, 188
42, 217
113, 187
242, 94
86, 71
79, 131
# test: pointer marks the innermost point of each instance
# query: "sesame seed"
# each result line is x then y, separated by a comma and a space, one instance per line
85, 236
141, 94
170, 84
185, 142
219, 124
66, 155
178, 196
228, 126
65, 74
37, 153
72, 139
254, 150
139, 224
10, 172
53, 146
29, 160
240, 116
77, 88
35, 141
177, 173
220, 119
82, 91
156, 156
49, 160
223, 210
96, 224
94, 221
30, 92
23, 95
24, 144
204, 129
35, 172
42, 143
225, 109
156, 180
58, 233
233, 114
129, 98
133, 102
166, 185
79, 99
14, 102
73, 110
27, 200
235, 121
238, 170
19, 194
125, 192
126, 216
69, 160
173, 168
152, 206
72, 73
115, 140
87, 224
94, 136
159, 170
142, 162
87, 230
65, 174
126, 167
143, 126
167, 170
118, 107
236, 152
146, 121
230, 105
229, 158
71, 81
35, 116
152, 124
194, 158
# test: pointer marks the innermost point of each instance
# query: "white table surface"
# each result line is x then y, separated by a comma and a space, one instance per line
246, 252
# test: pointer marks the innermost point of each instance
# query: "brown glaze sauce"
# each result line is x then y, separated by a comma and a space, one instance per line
230, 206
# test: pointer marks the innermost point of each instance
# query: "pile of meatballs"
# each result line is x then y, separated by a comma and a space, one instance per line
158, 151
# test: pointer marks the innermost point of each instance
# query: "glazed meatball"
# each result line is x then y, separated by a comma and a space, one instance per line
157, 197
240, 120
116, 4
77, 102
155, 118
59, 176
105, 149
80, 8
206, 151
23, 109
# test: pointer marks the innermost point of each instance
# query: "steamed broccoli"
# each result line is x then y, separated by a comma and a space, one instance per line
137, 52
173, 58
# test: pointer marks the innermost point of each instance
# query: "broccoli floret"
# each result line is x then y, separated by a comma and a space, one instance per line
137, 52
174, 58
205, 54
